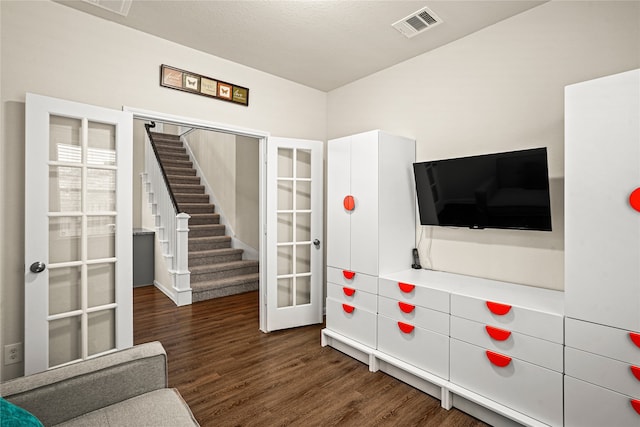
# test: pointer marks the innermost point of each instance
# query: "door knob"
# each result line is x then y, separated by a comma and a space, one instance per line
316, 243
37, 267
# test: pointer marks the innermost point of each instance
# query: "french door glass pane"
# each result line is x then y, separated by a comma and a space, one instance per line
65, 139
64, 340
303, 227
303, 195
285, 260
64, 289
102, 144
285, 195
285, 227
101, 190
285, 163
303, 290
303, 163
285, 292
65, 190
303, 258
101, 331
101, 284
64, 239
101, 237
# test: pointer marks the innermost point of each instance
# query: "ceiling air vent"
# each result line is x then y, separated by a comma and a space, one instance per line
417, 22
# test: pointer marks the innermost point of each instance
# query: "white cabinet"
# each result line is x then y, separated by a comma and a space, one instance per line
370, 203
602, 231
602, 252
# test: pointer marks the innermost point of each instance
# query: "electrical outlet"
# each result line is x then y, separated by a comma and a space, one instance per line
13, 353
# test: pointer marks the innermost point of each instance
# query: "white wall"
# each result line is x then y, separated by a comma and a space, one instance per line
499, 89
53, 50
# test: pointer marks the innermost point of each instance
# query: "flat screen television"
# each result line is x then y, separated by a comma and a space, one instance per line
500, 190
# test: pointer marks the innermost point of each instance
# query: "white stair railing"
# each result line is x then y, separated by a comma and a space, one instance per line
172, 226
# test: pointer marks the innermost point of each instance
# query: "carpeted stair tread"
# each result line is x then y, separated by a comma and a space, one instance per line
214, 256
223, 266
212, 272
204, 218
187, 188
206, 230
220, 288
191, 198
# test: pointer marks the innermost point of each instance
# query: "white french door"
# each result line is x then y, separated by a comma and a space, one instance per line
78, 224
294, 289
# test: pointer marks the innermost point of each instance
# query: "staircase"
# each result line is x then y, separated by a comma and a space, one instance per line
216, 268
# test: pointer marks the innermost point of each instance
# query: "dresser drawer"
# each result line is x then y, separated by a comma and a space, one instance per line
352, 296
425, 318
604, 371
414, 294
610, 342
525, 347
519, 385
501, 314
588, 405
424, 349
352, 279
352, 322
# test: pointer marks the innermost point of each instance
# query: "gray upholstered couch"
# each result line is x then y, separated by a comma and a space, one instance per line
125, 388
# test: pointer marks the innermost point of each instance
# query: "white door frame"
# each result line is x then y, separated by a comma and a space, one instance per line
262, 137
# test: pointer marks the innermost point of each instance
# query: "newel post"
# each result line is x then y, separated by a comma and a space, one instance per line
182, 279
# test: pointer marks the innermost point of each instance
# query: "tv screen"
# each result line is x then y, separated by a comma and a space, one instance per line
499, 190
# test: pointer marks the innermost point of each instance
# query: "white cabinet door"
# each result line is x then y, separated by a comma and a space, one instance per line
78, 241
602, 231
338, 217
364, 217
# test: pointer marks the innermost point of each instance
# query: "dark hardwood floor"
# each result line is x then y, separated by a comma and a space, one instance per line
231, 374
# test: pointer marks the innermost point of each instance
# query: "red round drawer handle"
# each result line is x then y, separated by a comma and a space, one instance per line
405, 287
635, 370
405, 327
497, 334
635, 337
497, 308
348, 291
498, 359
636, 405
348, 308
348, 274
634, 199
349, 203
406, 308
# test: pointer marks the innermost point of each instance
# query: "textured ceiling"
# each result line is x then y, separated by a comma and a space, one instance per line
321, 44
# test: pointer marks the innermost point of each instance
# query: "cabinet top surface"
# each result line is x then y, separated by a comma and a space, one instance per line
546, 300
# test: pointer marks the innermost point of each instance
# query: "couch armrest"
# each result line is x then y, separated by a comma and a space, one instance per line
63, 393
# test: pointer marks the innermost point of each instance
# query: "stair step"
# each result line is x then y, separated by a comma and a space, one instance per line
214, 256
208, 243
202, 219
205, 273
164, 156
187, 188
191, 198
170, 149
180, 171
197, 207
183, 179
196, 231
168, 136
177, 163
221, 288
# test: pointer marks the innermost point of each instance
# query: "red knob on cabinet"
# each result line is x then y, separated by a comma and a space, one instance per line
348, 308
498, 359
497, 334
406, 287
348, 274
497, 308
635, 370
634, 199
405, 327
406, 308
349, 203
635, 337
348, 291
636, 405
